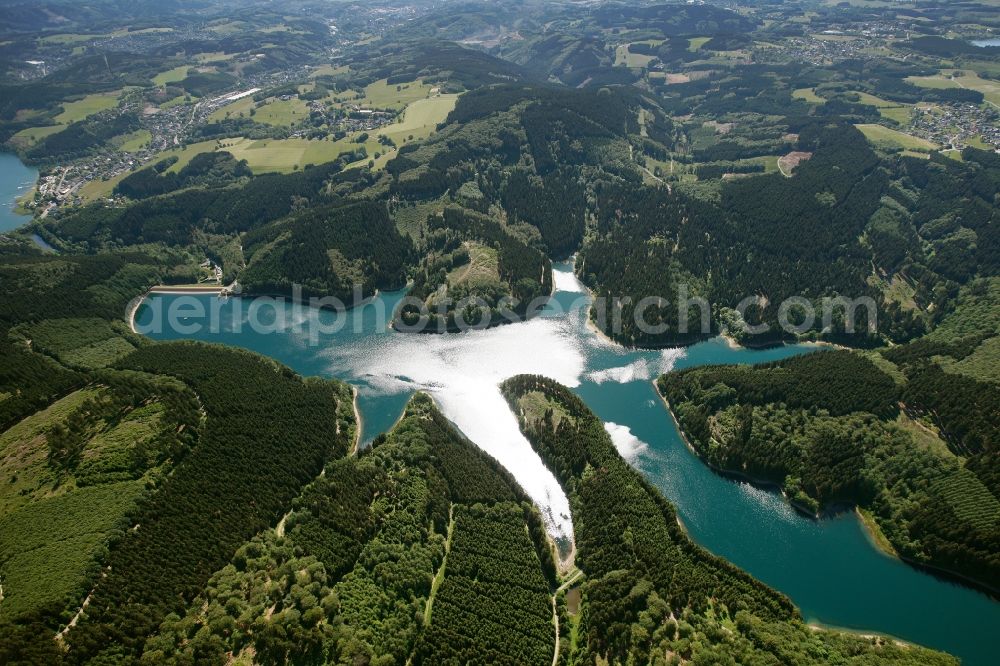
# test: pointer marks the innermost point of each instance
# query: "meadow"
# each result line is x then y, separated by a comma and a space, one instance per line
695, 43
135, 141
900, 113
624, 57
88, 106
178, 73
968, 80
32, 135
284, 155
420, 118
382, 95
808, 95
881, 135
281, 113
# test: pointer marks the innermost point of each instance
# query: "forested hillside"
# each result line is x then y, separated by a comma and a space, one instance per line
328, 251
477, 270
184, 532
121, 447
907, 434
648, 591
418, 549
544, 169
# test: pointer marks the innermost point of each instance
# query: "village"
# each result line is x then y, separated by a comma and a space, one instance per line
176, 126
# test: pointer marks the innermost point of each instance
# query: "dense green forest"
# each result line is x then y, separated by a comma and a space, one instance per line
419, 548
205, 169
122, 447
477, 270
914, 219
649, 592
903, 433
328, 251
185, 533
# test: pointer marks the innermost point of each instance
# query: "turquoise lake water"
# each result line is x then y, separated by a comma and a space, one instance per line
829, 568
15, 179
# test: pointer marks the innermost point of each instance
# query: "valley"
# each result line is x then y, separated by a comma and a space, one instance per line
522, 332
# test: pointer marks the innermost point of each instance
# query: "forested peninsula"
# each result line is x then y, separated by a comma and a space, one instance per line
647, 591
905, 433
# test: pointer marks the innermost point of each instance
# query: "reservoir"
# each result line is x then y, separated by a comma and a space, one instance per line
829, 568
984, 43
15, 180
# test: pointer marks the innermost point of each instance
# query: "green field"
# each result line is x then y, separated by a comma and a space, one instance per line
878, 134
122, 32
625, 58
891, 110
968, 80
135, 141
900, 114
284, 155
68, 38
88, 106
872, 100
228, 27
420, 118
868, 4
32, 135
213, 56
239, 108
178, 73
381, 95
695, 43
937, 81
282, 113
329, 70
176, 101
809, 95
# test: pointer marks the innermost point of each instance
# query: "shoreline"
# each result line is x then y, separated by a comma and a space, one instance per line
590, 324
862, 633
601, 335
358, 422
133, 308
737, 475
219, 290
874, 533
135, 303
927, 568
180, 289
